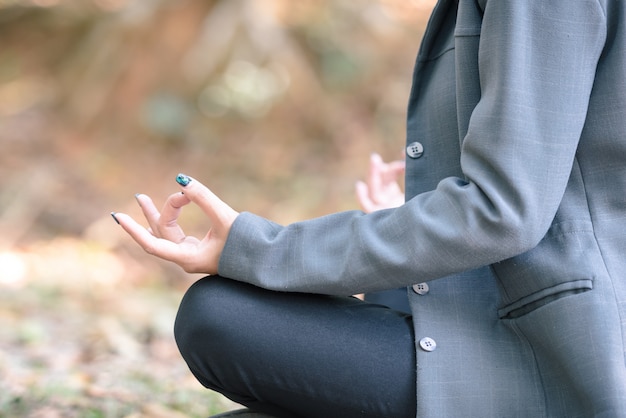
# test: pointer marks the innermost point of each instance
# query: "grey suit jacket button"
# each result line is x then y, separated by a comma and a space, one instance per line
415, 150
421, 288
428, 344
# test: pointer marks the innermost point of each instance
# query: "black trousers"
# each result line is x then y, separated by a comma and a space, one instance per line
298, 355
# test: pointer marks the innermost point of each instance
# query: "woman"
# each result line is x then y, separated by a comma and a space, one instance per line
510, 242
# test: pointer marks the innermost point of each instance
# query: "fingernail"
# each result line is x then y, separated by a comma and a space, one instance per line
182, 179
114, 218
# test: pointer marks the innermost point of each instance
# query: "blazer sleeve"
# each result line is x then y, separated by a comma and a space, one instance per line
537, 62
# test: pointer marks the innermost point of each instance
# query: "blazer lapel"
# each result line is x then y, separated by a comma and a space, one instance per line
429, 40
432, 29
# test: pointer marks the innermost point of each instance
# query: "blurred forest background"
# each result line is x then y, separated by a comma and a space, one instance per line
274, 104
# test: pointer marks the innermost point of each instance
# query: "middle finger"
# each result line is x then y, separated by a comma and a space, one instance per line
164, 224
168, 220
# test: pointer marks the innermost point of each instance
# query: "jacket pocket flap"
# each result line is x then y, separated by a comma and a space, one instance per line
531, 302
565, 262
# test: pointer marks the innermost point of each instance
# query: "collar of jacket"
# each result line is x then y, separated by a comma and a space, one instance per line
435, 22
437, 18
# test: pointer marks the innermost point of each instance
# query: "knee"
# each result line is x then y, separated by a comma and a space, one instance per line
202, 314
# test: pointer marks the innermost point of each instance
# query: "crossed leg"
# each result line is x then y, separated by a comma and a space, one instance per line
298, 355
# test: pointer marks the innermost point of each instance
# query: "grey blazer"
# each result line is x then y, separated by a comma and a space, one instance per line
515, 219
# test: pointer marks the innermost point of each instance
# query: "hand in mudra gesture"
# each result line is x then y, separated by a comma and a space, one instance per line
166, 239
381, 189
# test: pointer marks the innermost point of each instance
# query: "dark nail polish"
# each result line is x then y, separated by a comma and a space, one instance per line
114, 218
182, 179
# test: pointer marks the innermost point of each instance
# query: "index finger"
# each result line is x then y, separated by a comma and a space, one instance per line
159, 247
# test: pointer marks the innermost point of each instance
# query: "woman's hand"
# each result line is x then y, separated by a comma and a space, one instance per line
165, 238
382, 190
